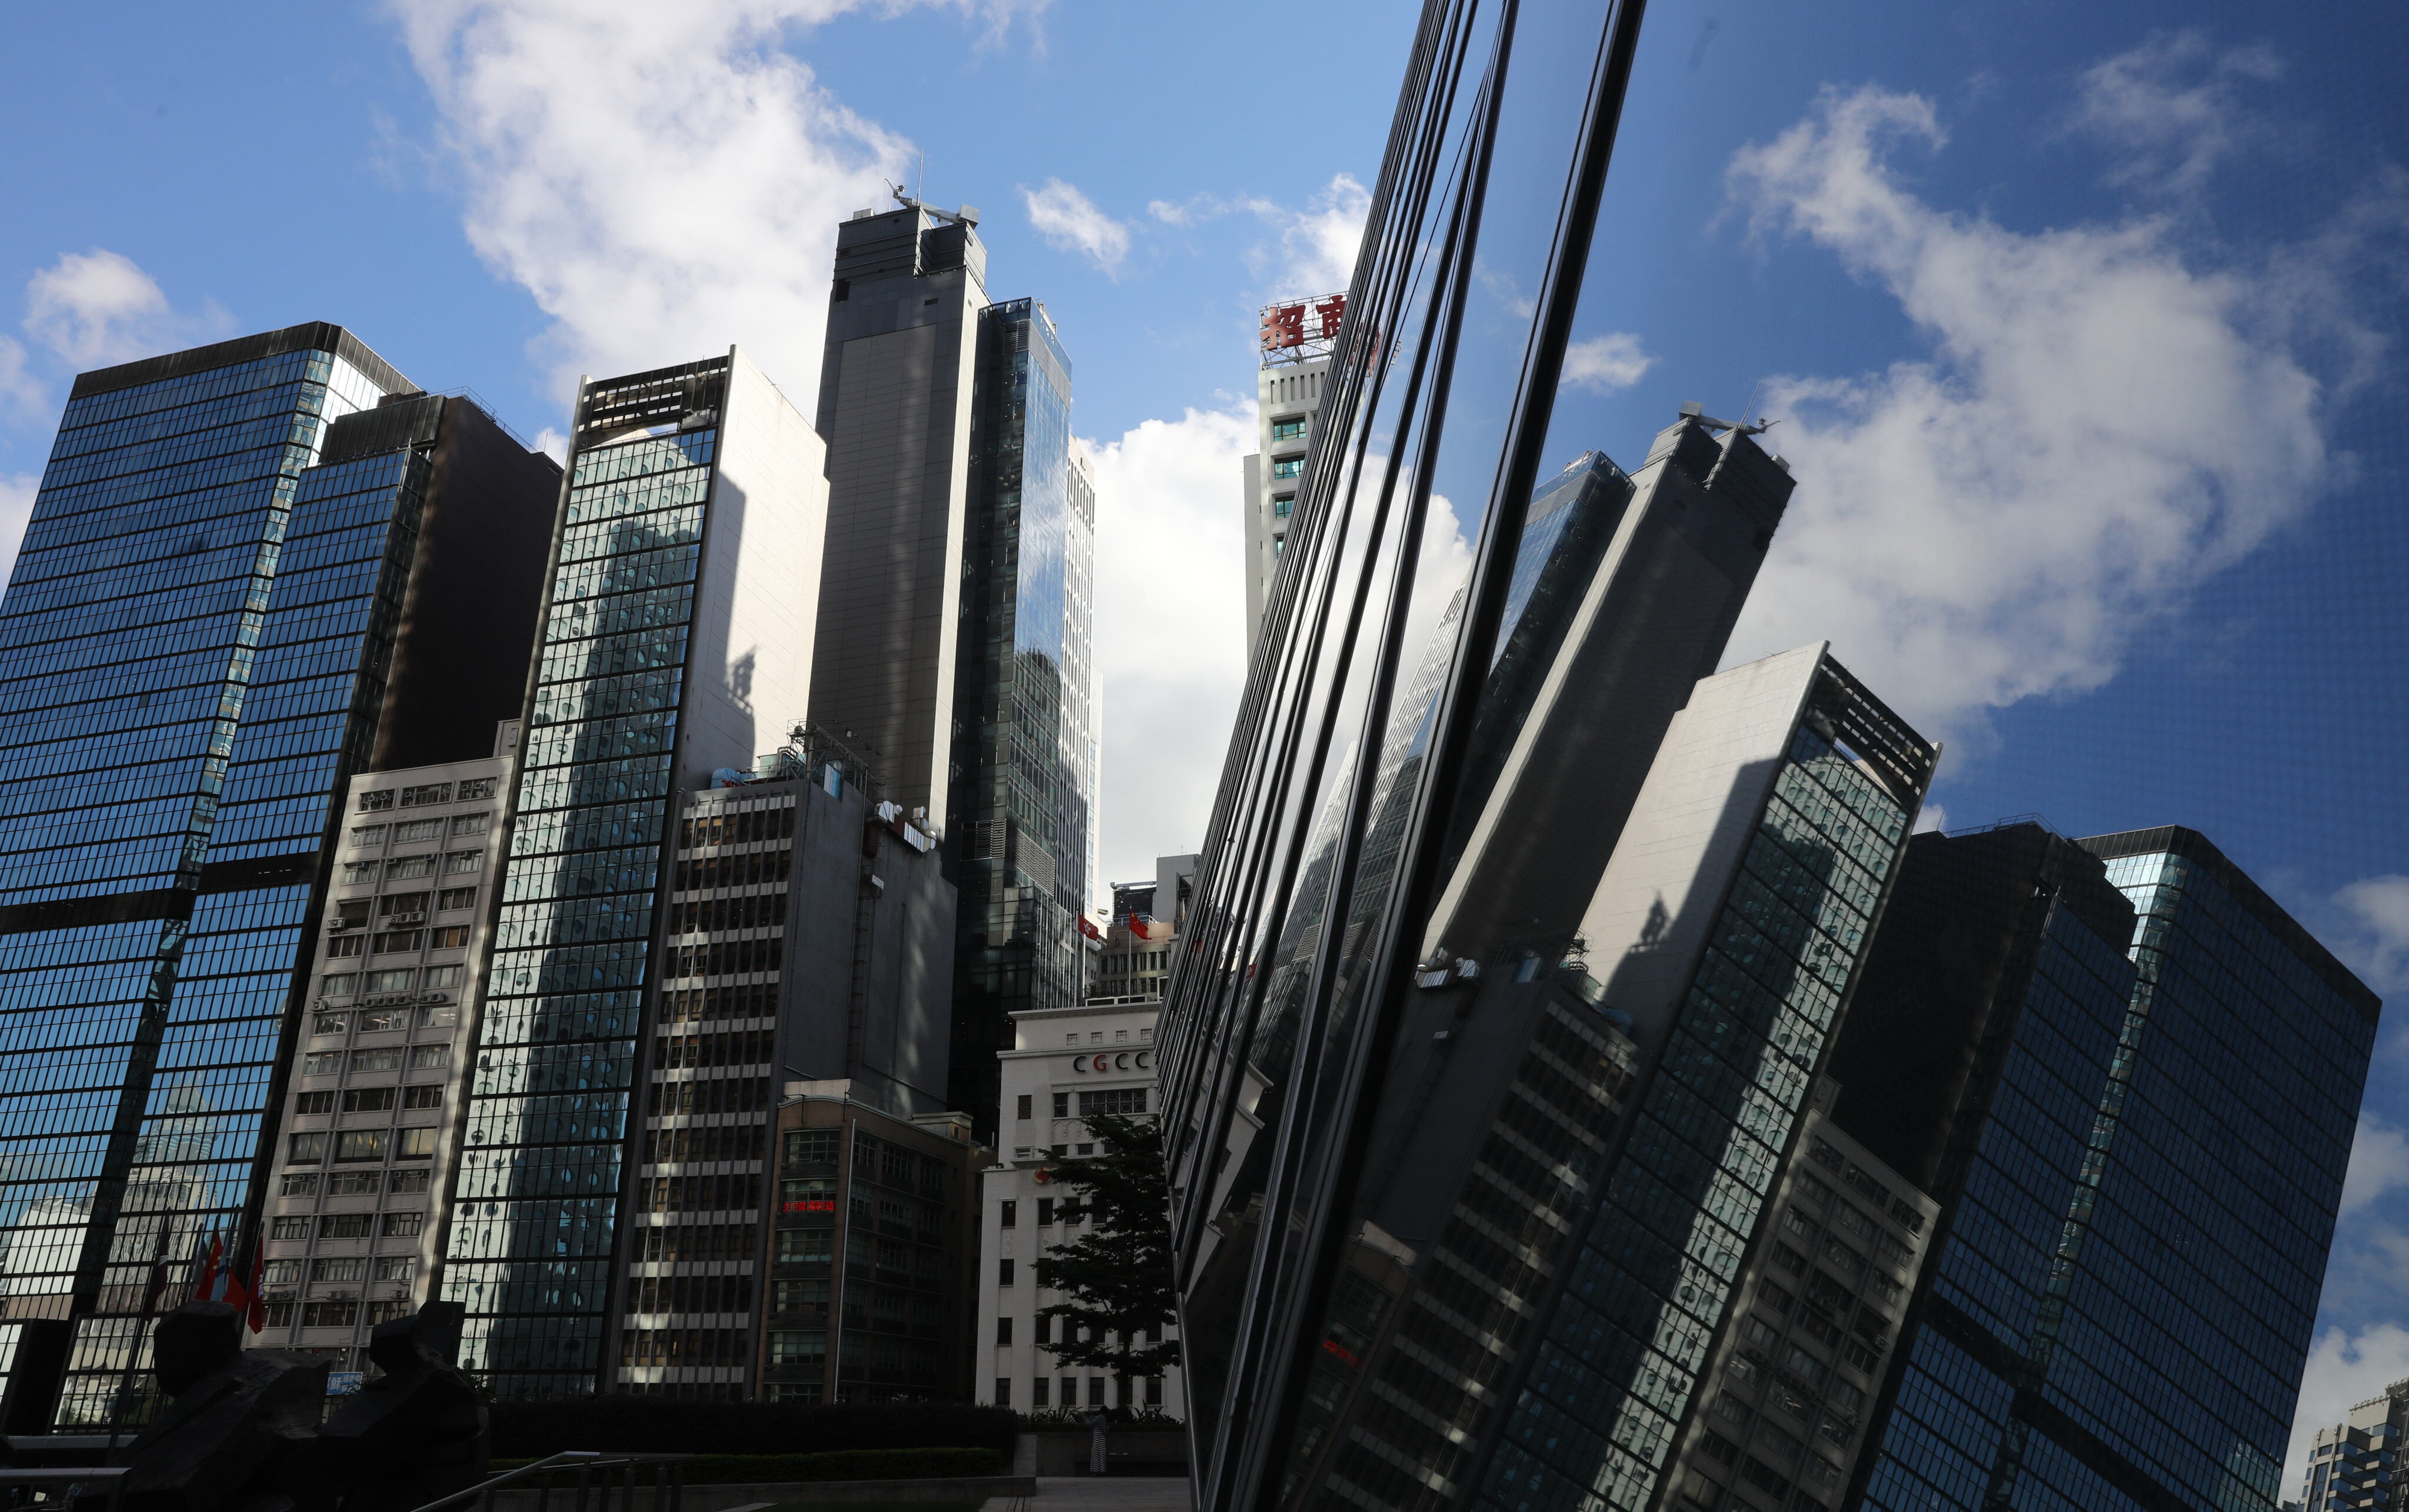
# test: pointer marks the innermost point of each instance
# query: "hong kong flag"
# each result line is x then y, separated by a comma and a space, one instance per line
220, 1284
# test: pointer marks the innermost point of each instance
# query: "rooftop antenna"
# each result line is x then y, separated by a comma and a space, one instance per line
920, 177
1749, 407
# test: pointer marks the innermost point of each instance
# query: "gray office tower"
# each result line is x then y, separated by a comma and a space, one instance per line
676, 645
252, 569
2117, 1307
954, 614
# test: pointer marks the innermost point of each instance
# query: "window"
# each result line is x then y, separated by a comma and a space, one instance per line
804, 1348
302, 1185
1774, 1297
416, 1144
386, 1312
1004, 1330
1024, 1105
366, 1100
345, 945
1731, 1407
1783, 1448
422, 1097
361, 1144
1009, 1214
280, 1315
314, 1103
350, 1268
399, 941
305, 1149
1062, 1104
1763, 1334
1814, 1192
809, 1246
368, 835
1764, 1477
1866, 1357
338, 984
1283, 505
450, 937
443, 1016
1121, 1099
1288, 467
404, 1226
1038, 1391
1719, 1448
345, 1314
471, 823
397, 979
404, 904
1146, 1034
1891, 1250
373, 802
1288, 429
1806, 1366
476, 787
357, 872
403, 868
290, 1229
426, 793
417, 829
1003, 1272
282, 1273
1846, 1397
352, 1184
1836, 1434
1003, 1391
1837, 1254
464, 860
407, 1182
1884, 1287
423, 1057
1851, 1217
343, 1226
455, 898
1046, 1212
1796, 1222
812, 1146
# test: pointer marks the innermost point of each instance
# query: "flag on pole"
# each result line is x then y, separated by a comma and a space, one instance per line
254, 1311
206, 1288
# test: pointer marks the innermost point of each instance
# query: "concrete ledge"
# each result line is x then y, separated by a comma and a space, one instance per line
742, 1497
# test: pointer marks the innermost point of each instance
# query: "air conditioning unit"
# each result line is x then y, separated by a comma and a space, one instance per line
339, 926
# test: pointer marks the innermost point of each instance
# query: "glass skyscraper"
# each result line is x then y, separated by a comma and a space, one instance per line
2119, 1308
208, 630
676, 644
1024, 749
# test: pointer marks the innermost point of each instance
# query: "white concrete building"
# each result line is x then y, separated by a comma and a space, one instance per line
376, 1097
1065, 1063
1298, 336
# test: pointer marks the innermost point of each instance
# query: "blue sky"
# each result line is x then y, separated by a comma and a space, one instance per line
2084, 323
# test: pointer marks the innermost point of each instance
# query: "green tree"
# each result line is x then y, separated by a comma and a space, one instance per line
1116, 1277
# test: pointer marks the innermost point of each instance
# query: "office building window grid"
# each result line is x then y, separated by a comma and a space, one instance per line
541, 1178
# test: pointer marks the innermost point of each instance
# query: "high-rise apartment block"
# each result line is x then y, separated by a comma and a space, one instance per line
676, 637
2357, 1462
2117, 1310
1298, 337
249, 574
355, 1207
956, 615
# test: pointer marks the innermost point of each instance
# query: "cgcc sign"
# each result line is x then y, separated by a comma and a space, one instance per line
1110, 1062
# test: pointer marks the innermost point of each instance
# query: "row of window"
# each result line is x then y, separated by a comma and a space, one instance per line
711, 1141
1123, 1100
408, 868
372, 836
398, 943
371, 1099
348, 1225
343, 1312
353, 1184
697, 1242
736, 829
380, 984
330, 1268
425, 794
360, 1145
1070, 1208
387, 1057
1041, 1391
352, 913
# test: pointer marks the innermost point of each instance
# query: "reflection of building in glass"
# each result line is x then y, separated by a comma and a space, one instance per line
2357, 1462
246, 576
806, 933
369, 1143
2117, 1311
954, 614
1298, 337
1133, 962
873, 1238
684, 571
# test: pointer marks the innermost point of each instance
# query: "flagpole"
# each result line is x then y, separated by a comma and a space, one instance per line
158, 1283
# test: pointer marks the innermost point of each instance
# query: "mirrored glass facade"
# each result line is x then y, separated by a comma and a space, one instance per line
1024, 747
539, 1188
193, 656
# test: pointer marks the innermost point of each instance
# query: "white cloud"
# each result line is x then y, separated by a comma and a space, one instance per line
98, 309
2344, 1370
15, 507
2100, 430
2379, 1163
1170, 214
19, 389
2171, 107
1318, 244
664, 182
1603, 364
1070, 221
2377, 914
1171, 633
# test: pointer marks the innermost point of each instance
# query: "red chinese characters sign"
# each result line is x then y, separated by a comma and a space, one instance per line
1286, 326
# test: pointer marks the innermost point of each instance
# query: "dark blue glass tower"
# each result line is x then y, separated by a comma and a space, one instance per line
2119, 1310
232, 560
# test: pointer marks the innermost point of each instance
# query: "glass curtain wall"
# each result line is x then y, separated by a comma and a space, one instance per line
192, 658
1022, 757
541, 1175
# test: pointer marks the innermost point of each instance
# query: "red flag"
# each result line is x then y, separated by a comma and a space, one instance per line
207, 1288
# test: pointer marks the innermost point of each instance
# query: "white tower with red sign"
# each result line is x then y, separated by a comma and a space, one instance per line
1298, 337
